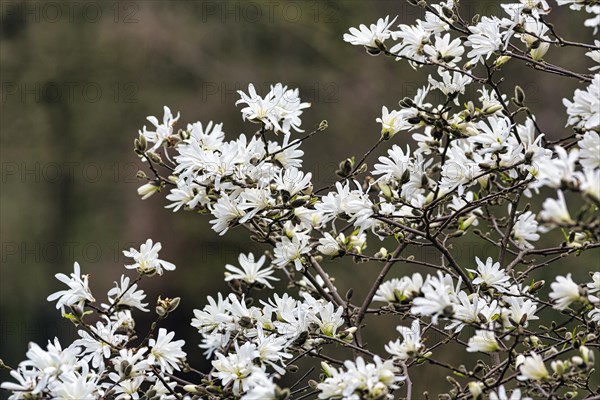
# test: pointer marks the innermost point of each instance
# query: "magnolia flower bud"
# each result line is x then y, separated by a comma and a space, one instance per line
345, 167
140, 144
492, 109
380, 45
475, 388
406, 102
126, 368
282, 394
326, 369
166, 305
382, 253
559, 367
519, 98
323, 125
148, 189
154, 157
501, 60
538, 52
536, 286
467, 222
141, 175
587, 355
191, 389
577, 361
349, 294
469, 65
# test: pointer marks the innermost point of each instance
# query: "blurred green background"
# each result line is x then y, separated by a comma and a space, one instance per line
78, 80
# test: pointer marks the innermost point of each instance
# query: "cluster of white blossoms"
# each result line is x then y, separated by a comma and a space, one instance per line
360, 380
478, 168
104, 362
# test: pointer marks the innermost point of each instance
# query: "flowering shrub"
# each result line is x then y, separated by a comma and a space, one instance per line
472, 168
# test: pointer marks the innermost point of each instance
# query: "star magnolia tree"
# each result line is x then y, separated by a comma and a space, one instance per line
472, 166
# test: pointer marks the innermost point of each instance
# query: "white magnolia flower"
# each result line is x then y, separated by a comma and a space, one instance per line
490, 274
589, 183
484, 341
501, 394
328, 319
439, 296
237, 366
525, 230
279, 110
493, 135
395, 166
287, 154
226, 212
272, 350
253, 201
258, 109
471, 309
460, 171
532, 367
146, 259
594, 314
187, 194
445, 51
589, 155
485, 39
129, 388
435, 24
555, 172
260, 387
52, 362
26, 385
293, 181
594, 286
126, 295
584, 110
78, 292
555, 211
210, 137
250, 271
388, 291
98, 341
129, 363
534, 31
163, 392
564, 292
520, 311
331, 246
451, 84
413, 39
166, 352
308, 218
360, 380
210, 318
411, 344
391, 122
595, 56
163, 131
367, 36
80, 385
288, 108
288, 251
